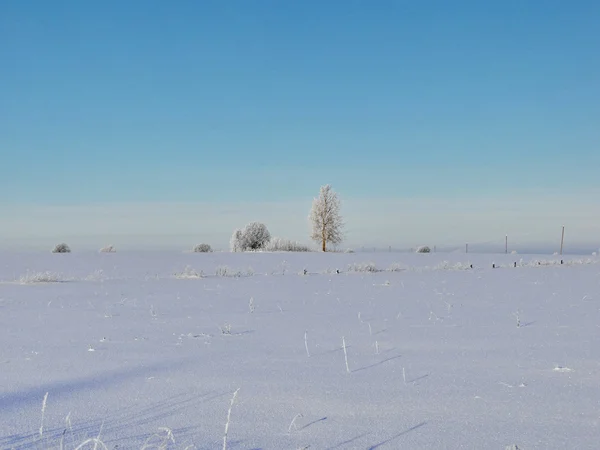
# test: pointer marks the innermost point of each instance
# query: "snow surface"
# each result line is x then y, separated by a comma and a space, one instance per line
126, 343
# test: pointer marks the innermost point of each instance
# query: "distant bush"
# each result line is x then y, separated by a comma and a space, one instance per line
254, 236
61, 248
285, 245
202, 248
108, 249
423, 249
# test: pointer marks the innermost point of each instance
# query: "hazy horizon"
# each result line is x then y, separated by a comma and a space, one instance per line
531, 221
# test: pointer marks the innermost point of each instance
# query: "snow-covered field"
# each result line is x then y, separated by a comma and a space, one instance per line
127, 343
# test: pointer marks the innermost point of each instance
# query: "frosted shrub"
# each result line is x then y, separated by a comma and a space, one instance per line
285, 245
61, 248
40, 277
423, 249
202, 248
223, 271
254, 236
108, 249
188, 274
362, 267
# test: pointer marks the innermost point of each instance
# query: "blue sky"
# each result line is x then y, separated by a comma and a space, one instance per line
248, 106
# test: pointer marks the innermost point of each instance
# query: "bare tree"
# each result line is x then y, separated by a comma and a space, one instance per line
325, 218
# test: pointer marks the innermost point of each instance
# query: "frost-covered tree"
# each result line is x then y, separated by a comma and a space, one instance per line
202, 248
325, 219
254, 236
61, 248
423, 249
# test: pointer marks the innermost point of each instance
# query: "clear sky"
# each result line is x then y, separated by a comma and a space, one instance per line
423, 113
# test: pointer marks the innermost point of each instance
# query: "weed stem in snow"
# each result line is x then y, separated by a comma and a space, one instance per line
306, 343
43, 412
345, 354
229, 418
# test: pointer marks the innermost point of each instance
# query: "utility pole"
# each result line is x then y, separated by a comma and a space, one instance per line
506, 244
562, 240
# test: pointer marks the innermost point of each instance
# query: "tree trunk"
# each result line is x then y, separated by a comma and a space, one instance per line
324, 245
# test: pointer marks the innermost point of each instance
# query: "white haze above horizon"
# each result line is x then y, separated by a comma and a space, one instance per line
532, 221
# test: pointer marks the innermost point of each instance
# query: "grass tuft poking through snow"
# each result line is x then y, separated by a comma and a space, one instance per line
96, 441
293, 422
164, 438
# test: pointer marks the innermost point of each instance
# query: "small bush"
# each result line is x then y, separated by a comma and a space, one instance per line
108, 249
202, 248
61, 248
285, 245
423, 249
